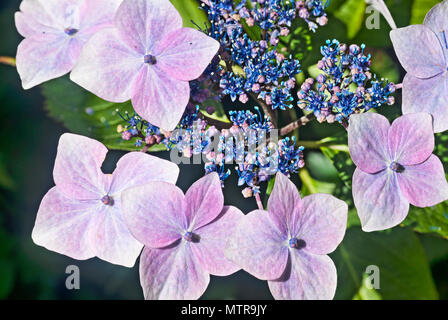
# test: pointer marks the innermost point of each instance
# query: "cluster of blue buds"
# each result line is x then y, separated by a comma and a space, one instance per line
257, 67
252, 145
249, 142
345, 84
135, 127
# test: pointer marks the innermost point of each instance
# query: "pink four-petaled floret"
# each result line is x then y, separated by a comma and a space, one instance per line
147, 57
395, 167
55, 32
184, 236
81, 216
288, 244
423, 53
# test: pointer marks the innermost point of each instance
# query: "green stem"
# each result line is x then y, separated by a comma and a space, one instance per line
319, 144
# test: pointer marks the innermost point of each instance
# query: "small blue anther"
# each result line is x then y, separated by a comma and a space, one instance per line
395, 166
107, 200
150, 59
71, 31
189, 236
294, 243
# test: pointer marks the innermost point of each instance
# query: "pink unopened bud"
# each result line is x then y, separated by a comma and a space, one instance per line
268, 99
247, 192
150, 140
322, 20
331, 118
126, 135
284, 32
243, 98
256, 87
303, 13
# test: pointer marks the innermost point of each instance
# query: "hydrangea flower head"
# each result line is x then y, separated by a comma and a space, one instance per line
184, 236
423, 53
81, 216
395, 167
55, 32
288, 244
149, 58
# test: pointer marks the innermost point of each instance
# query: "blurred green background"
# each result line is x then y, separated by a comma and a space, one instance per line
413, 260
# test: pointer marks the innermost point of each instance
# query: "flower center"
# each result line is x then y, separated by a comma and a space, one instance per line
296, 243
395, 166
107, 200
191, 237
150, 59
71, 31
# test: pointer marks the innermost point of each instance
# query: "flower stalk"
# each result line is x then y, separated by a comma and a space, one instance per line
10, 61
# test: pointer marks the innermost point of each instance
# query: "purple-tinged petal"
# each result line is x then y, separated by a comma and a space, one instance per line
83, 229
143, 23
436, 20
411, 138
419, 51
27, 26
209, 250
429, 95
97, 14
204, 201
77, 169
307, 277
172, 273
45, 57
154, 213
284, 205
258, 247
378, 199
367, 141
38, 16
137, 168
64, 225
424, 184
107, 67
185, 53
111, 238
158, 98
323, 221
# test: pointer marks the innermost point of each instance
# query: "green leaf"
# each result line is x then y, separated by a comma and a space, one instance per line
314, 71
366, 292
352, 14
399, 255
420, 8
219, 113
384, 66
253, 32
429, 220
190, 11
401, 13
6, 181
436, 248
83, 113
7, 275
298, 42
441, 149
310, 185
321, 167
332, 148
353, 218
